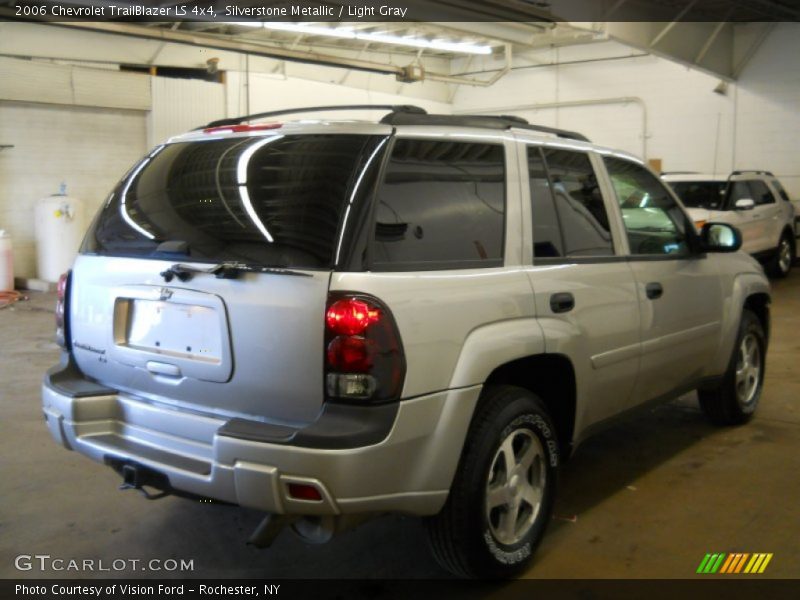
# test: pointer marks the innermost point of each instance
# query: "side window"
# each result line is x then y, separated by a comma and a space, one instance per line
441, 206
739, 191
655, 223
760, 192
546, 231
579, 204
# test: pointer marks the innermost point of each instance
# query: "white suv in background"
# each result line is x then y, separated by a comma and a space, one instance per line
753, 201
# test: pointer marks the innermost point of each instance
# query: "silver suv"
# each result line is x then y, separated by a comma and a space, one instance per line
754, 202
332, 320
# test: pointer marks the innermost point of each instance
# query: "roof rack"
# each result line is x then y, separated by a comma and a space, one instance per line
393, 108
406, 114
499, 122
756, 171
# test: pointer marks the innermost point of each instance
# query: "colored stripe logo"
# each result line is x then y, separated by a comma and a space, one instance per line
733, 563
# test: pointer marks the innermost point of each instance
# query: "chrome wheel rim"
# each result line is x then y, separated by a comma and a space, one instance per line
515, 486
785, 256
748, 369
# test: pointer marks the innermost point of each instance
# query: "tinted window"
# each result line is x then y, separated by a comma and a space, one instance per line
781, 191
275, 200
579, 204
441, 205
701, 194
761, 193
739, 191
653, 220
546, 231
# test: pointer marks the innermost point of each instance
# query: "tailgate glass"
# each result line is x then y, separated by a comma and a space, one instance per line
266, 200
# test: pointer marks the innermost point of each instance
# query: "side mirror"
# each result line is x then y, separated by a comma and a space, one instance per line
744, 204
720, 237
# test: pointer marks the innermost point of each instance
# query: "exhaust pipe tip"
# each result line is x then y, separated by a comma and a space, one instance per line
264, 535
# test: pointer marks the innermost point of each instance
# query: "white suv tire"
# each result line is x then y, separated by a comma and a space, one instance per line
781, 263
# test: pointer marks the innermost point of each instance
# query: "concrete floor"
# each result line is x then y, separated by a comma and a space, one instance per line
647, 499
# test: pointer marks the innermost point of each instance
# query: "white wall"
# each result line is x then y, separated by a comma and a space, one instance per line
682, 112
86, 148
180, 105
27, 80
756, 125
273, 92
768, 108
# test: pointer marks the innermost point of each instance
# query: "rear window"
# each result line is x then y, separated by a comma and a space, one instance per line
271, 201
701, 194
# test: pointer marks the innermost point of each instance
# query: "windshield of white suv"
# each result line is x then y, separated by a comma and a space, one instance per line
279, 200
701, 194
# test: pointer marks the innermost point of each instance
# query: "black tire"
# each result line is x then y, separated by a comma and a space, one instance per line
462, 536
726, 404
781, 263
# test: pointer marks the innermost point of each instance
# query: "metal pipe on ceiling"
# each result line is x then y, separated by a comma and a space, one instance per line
562, 63
210, 41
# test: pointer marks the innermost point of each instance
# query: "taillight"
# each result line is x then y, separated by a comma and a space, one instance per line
62, 293
363, 354
350, 316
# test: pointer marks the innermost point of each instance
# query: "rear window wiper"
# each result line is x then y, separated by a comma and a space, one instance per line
225, 270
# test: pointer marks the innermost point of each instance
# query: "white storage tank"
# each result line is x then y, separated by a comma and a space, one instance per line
59, 226
6, 263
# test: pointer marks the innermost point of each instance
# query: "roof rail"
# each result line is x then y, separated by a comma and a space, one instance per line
406, 114
500, 122
393, 108
756, 171
679, 173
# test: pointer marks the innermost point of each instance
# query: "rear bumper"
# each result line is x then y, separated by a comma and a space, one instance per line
251, 463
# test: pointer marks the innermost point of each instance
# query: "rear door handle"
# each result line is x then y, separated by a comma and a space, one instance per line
562, 302
654, 290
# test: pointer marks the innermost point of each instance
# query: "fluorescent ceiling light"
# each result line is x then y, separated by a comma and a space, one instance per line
379, 38
339, 32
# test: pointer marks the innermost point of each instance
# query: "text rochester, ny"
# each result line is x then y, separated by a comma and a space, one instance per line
127, 589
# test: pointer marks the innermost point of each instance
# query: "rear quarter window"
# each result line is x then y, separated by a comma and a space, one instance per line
441, 205
781, 191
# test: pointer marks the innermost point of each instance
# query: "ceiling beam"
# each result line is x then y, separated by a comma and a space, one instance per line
672, 24
229, 44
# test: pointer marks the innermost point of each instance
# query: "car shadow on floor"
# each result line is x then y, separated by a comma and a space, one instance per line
615, 458
394, 547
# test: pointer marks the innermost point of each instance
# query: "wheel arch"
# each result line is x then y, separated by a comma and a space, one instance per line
758, 303
552, 378
514, 352
749, 291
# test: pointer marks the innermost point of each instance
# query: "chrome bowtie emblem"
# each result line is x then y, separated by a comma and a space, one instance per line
165, 294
